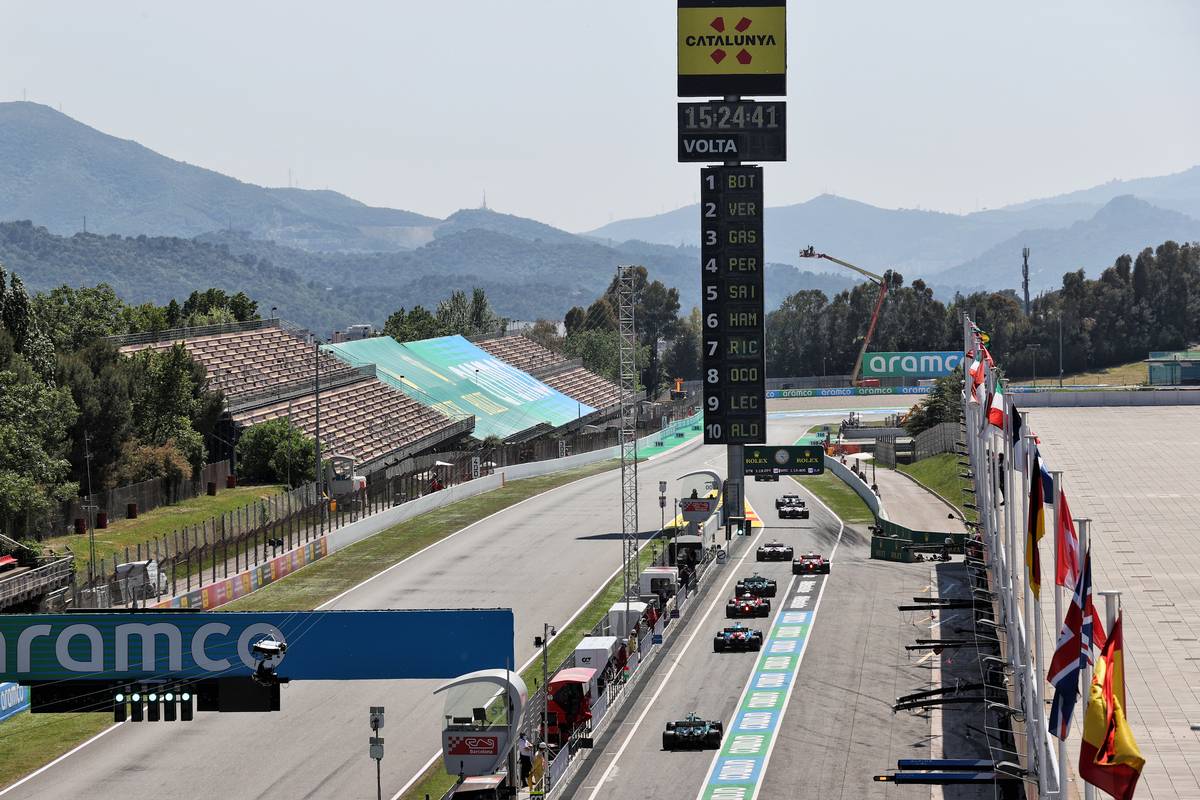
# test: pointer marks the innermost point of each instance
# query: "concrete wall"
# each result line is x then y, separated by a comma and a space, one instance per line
1069, 399
854, 482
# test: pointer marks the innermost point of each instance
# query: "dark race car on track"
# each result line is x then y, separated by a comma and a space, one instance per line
787, 500
810, 564
774, 551
756, 585
795, 510
694, 733
737, 638
747, 605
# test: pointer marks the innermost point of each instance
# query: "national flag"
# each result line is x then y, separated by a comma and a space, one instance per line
976, 370
1018, 440
1066, 568
1071, 656
996, 407
1035, 529
1109, 757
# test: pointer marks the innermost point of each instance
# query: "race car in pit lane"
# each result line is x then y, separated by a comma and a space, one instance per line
737, 638
810, 564
787, 500
747, 605
693, 733
756, 585
795, 510
774, 550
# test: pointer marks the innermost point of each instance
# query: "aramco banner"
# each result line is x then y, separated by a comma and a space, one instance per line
321, 645
911, 365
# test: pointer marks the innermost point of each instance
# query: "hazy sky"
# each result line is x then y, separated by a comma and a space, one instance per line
564, 110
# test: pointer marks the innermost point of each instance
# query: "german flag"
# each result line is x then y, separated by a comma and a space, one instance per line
1109, 757
1035, 528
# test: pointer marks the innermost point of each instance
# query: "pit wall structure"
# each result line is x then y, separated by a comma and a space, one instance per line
250, 580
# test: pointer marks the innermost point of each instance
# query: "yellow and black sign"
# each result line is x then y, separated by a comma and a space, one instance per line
732, 49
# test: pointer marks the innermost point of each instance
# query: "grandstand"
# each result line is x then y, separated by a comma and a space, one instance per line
568, 377
266, 370
459, 377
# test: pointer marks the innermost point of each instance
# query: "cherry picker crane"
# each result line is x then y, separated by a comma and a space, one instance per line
881, 281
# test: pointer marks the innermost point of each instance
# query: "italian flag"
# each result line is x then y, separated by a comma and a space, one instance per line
996, 409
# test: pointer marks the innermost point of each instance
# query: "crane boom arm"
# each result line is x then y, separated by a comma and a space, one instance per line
811, 253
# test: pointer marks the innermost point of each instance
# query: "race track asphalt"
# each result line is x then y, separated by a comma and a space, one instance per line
544, 558
838, 729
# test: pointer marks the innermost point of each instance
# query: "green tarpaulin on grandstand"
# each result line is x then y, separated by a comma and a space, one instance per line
459, 379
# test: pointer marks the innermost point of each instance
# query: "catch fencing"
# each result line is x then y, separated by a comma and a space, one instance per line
114, 503
941, 438
210, 552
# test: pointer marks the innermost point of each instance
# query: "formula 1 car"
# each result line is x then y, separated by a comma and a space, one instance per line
737, 638
810, 564
756, 585
797, 510
747, 605
693, 732
774, 551
787, 500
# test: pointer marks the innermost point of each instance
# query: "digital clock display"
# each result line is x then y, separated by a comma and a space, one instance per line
743, 130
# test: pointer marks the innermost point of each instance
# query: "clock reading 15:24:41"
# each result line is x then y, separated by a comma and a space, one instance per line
721, 115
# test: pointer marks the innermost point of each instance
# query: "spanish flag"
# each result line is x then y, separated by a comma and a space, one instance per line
1109, 758
1035, 527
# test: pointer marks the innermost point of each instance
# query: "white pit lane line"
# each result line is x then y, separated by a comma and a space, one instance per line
799, 662
720, 597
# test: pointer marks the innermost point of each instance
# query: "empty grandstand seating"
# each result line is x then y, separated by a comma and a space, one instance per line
586, 387
367, 419
555, 371
266, 372
522, 352
249, 362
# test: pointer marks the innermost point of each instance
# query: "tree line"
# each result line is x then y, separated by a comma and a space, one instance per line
74, 412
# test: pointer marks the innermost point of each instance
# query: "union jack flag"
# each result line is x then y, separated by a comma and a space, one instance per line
1080, 632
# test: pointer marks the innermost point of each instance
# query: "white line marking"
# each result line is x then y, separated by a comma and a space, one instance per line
796, 679
63, 757
438, 754
719, 598
429, 763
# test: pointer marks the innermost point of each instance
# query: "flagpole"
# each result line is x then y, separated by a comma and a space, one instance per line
1089, 791
1033, 717
1058, 619
1009, 525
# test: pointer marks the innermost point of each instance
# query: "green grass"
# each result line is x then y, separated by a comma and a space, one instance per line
331, 576
160, 522
1132, 374
29, 741
834, 492
436, 781
941, 473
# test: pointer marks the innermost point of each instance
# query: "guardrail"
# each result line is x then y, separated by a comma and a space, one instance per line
38, 581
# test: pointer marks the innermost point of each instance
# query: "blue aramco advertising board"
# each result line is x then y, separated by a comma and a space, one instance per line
321, 645
911, 365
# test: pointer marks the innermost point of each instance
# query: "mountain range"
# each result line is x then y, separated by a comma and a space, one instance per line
158, 228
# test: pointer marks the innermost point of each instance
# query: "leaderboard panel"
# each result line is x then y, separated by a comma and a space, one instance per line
731, 255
